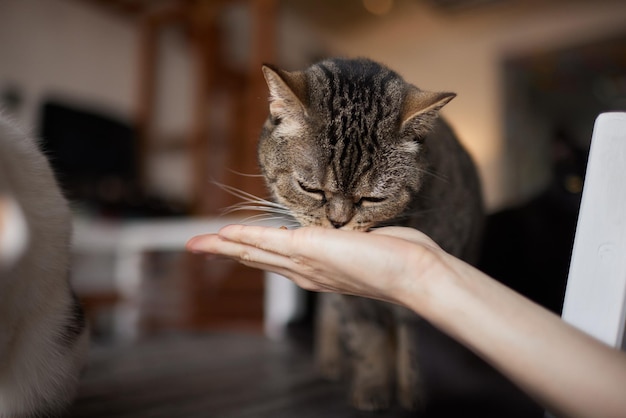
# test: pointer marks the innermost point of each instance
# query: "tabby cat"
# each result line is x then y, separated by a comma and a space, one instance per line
43, 336
349, 144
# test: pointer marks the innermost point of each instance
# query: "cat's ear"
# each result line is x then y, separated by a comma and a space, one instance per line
424, 104
287, 93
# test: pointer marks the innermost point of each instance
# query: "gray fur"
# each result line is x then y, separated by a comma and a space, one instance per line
43, 335
349, 144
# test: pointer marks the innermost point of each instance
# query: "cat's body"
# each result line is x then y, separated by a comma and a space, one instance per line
43, 335
349, 144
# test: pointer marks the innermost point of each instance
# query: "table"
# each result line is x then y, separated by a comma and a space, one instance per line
250, 376
128, 240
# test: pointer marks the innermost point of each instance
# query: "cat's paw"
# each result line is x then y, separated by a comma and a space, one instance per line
370, 399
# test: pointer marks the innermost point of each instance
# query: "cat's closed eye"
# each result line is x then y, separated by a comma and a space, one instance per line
370, 200
316, 193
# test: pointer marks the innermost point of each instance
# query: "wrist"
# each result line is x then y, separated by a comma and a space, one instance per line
442, 290
423, 283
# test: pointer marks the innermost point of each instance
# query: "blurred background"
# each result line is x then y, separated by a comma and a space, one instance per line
141, 104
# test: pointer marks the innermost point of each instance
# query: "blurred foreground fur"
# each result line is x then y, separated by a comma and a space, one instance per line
43, 335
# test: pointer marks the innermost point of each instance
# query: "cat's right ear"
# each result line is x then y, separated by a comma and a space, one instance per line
287, 93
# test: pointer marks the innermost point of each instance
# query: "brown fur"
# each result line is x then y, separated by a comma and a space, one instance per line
349, 144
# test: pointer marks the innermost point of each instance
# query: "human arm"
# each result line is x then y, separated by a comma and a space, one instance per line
565, 370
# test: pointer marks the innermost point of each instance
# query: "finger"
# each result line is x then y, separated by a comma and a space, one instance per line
216, 244
270, 239
299, 279
305, 246
295, 243
249, 256
202, 244
293, 268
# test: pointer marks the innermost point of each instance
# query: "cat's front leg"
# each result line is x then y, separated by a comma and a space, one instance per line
328, 350
370, 352
410, 389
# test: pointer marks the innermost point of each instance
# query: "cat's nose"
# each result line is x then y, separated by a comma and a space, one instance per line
339, 210
337, 224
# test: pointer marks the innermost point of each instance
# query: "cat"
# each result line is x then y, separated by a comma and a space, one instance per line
43, 333
349, 144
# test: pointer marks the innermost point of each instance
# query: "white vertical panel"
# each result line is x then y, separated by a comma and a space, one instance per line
284, 302
596, 289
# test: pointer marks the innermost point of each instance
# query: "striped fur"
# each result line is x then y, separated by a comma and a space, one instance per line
349, 144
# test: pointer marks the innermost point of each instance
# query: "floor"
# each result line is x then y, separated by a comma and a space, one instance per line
245, 375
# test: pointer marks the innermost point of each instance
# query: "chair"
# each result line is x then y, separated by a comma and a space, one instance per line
595, 297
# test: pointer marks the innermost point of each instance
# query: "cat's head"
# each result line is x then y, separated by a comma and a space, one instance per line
343, 144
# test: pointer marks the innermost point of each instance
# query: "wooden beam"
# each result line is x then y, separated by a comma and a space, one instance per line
205, 41
263, 42
151, 23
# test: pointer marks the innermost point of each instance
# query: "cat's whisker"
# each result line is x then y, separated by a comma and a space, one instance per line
246, 206
239, 173
433, 174
258, 218
258, 208
286, 222
247, 197
263, 217
270, 211
241, 194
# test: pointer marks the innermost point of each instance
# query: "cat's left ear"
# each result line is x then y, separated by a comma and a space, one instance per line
425, 105
287, 93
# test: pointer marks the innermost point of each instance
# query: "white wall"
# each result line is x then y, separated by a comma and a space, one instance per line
462, 53
65, 47
88, 54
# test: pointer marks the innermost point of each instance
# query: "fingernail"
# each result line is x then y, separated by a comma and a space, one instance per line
190, 247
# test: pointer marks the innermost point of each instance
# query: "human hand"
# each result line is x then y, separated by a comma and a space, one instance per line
379, 265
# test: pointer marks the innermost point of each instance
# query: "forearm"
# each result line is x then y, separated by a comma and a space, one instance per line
561, 367
565, 370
